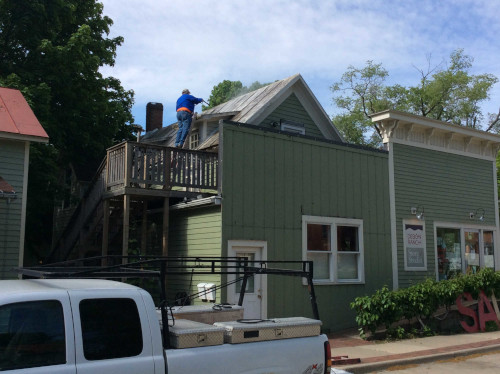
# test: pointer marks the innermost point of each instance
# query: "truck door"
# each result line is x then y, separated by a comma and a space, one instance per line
111, 333
33, 337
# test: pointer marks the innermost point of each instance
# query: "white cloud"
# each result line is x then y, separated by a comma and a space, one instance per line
174, 44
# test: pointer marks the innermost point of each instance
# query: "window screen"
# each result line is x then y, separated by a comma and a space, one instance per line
111, 328
32, 335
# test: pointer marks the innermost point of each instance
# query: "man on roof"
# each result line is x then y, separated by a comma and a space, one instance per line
185, 108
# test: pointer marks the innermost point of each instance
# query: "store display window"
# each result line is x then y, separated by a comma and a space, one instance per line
449, 252
463, 251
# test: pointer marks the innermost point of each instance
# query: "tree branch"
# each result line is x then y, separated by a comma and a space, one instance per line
494, 122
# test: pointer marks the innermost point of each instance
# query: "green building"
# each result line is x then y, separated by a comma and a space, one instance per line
267, 176
18, 128
444, 198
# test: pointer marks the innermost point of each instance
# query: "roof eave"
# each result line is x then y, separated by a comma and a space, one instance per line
216, 116
24, 138
391, 114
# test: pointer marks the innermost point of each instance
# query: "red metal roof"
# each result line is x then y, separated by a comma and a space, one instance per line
16, 116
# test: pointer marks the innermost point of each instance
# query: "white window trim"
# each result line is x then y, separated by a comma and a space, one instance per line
194, 137
333, 222
414, 222
462, 227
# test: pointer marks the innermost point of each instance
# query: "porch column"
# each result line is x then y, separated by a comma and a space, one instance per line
105, 230
165, 226
126, 224
144, 228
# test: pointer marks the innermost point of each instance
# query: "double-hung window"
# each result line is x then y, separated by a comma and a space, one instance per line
335, 246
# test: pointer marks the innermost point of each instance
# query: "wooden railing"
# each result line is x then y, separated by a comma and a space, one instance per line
142, 165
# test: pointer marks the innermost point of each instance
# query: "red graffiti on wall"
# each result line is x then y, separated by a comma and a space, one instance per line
485, 312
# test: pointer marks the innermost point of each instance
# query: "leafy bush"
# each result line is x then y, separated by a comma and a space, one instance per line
376, 310
420, 301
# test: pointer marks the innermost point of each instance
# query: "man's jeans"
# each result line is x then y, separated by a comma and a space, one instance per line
184, 119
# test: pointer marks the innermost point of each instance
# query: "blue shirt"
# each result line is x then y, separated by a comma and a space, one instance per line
188, 102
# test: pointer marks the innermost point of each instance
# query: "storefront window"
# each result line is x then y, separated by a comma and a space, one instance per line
449, 252
471, 252
463, 251
488, 250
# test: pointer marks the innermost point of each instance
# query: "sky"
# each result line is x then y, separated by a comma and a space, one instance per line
170, 45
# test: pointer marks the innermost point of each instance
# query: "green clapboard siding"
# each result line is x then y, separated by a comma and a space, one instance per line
194, 232
12, 170
271, 180
292, 109
449, 186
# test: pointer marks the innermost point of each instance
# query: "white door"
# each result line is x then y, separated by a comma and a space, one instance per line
255, 291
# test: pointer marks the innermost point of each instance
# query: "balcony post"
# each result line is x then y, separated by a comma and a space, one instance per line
105, 229
126, 224
166, 169
144, 227
166, 205
128, 163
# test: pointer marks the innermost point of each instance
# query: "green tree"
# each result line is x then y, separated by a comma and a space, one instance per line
227, 90
446, 92
52, 51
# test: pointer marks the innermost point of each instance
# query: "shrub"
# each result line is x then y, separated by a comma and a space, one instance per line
421, 300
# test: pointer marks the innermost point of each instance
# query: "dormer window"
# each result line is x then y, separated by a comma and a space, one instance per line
293, 127
194, 139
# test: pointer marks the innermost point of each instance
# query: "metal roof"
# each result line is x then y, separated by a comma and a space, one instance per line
17, 120
247, 105
254, 106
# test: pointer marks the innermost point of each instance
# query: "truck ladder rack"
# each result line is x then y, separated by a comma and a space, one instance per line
121, 267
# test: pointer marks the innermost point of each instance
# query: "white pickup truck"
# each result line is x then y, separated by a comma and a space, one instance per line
63, 326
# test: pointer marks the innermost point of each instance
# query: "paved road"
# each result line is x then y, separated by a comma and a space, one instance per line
484, 363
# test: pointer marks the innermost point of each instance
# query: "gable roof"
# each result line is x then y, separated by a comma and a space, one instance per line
252, 108
255, 106
17, 120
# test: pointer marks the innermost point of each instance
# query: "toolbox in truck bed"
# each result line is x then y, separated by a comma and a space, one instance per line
244, 331
190, 334
208, 313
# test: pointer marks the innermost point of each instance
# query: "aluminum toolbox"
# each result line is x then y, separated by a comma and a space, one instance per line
271, 329
190, 334
208, 313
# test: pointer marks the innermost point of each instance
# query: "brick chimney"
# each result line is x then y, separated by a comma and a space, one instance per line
154, 116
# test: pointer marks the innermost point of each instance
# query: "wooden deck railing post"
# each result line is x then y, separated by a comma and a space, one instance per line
167, 157
128, 163
107, 168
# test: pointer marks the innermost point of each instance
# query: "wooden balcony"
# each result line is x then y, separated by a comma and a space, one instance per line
149, 170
